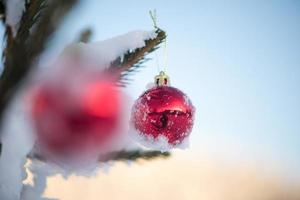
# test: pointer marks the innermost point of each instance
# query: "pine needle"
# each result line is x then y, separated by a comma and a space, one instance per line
23, 50
133, 60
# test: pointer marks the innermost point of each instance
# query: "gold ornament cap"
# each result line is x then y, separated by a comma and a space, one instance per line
162, 79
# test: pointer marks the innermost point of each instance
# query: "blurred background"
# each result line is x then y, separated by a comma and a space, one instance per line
239, 62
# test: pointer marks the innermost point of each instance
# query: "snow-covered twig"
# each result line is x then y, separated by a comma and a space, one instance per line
133, 59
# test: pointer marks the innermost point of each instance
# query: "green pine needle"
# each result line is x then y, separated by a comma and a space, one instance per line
131, 61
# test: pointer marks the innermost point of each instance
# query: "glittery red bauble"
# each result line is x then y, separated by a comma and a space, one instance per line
75, 115
163, 111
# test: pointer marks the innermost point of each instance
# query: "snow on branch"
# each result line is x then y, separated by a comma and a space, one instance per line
106, 54
13, 11
134, 58
121, 55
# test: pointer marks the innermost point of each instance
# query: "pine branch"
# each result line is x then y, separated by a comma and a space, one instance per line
117, 156
49, 22
29, 18
25, 48
132, 60
33, 9
2, 11
135, 155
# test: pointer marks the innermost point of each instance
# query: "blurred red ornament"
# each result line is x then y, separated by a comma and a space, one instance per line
75, 115
163, 111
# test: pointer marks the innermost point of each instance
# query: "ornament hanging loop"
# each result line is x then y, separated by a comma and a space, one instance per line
162, 79
154, 18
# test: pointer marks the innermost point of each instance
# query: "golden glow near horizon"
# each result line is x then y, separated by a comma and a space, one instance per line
177, 178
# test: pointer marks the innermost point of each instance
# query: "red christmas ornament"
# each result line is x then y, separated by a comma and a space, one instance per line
163, 111
75, 115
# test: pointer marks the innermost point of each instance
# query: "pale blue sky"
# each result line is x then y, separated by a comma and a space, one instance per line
239, 61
